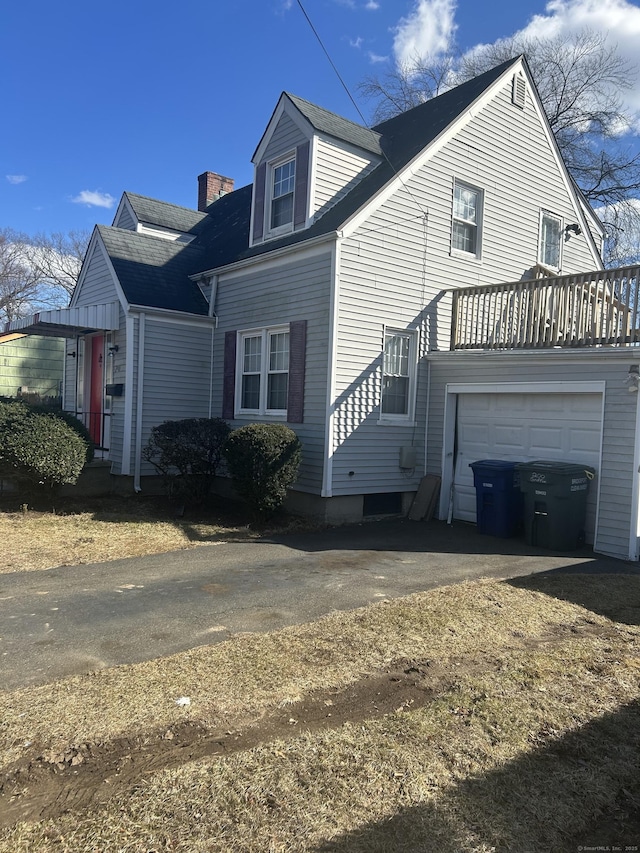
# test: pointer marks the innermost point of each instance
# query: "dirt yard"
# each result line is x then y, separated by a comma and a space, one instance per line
482, 717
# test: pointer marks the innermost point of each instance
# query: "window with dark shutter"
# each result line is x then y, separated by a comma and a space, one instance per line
302, 182
264, 371
258, 201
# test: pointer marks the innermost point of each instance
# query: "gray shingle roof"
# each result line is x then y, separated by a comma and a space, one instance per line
155, 272
336, 126
154, 212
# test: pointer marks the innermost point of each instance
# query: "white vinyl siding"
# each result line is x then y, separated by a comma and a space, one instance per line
177, 371
285, 137
125, 219
270, 297
337, 169
97, 285
397, 266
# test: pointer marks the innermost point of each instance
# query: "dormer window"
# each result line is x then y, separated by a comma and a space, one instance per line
282, 189
280, 195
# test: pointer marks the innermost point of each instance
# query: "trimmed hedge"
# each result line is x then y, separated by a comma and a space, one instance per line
263, 460
38, 449
68, 417
188, 454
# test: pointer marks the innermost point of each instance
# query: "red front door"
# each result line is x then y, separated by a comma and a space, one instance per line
95, 393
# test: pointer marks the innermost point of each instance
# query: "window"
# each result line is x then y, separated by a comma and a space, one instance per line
398, 376
467, 209
550, 240
263, 371
283, 184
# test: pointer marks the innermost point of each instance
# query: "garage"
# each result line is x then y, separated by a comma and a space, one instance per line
518, 425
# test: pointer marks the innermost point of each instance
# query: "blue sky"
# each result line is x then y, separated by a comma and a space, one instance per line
145, 96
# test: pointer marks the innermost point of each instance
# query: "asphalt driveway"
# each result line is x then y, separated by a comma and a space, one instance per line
74, 619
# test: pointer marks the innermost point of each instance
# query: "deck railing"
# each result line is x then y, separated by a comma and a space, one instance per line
587, 309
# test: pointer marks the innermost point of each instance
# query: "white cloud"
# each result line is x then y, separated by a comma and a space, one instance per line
427, 31
357, 42
371, 6
16, 179
94, 198
376, 59
617, 20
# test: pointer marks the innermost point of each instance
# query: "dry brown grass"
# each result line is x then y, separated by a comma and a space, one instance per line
109, 529
516, 756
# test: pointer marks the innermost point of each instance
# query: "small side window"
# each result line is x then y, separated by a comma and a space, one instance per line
467, 218
398, 376
550, 242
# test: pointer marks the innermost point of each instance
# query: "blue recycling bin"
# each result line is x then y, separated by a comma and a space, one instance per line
499, 501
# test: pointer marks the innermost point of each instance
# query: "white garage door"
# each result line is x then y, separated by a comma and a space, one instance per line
521, 428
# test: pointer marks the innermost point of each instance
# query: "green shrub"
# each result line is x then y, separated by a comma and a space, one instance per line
68, 417
188, 454
38, 449
263, 460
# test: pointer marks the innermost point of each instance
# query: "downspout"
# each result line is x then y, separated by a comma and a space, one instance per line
426, 420
139, 400
212, 313
635, 496
128, 400
327, 472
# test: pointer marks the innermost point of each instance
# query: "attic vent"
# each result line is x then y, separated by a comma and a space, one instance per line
519, 91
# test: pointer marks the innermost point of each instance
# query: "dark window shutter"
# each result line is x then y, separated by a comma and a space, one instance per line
302, 182
297, 356
258, 201
229, 376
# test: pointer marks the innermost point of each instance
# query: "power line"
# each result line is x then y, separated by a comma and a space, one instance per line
353, 101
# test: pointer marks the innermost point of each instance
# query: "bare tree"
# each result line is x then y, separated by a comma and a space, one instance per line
580, 79
37, 272
58, 257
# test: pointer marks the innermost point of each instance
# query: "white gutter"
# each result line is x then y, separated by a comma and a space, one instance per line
139, 401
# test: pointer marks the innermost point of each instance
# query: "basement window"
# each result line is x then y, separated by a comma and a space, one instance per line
383, 503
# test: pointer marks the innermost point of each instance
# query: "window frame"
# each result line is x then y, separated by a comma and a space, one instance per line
265, 335
548, 214
407, 418
272, 166
463, 253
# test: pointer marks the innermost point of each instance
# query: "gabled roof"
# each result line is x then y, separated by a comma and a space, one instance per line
334, 125
153, 271
154, 212
402, 138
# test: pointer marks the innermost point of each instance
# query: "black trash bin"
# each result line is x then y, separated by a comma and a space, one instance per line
499, 502
555, 503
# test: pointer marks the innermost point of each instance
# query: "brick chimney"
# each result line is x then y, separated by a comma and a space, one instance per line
211, 187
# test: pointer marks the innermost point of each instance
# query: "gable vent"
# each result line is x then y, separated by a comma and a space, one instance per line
519, 91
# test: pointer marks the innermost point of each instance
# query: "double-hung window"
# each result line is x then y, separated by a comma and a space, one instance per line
283, 181
398, 376
550, 240
263, 374
467, 218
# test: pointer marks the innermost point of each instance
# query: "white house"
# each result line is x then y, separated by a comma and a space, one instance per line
321, 296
